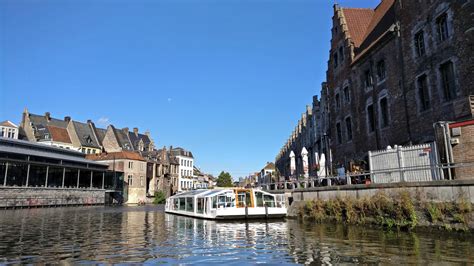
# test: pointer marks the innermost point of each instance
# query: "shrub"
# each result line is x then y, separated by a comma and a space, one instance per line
160, 197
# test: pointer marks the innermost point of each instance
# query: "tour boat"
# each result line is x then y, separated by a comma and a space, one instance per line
232, 203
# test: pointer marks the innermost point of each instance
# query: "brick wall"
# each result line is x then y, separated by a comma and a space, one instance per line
464, 153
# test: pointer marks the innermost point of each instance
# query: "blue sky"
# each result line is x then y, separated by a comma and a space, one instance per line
226, 79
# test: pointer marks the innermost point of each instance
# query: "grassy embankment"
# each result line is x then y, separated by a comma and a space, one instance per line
399, 211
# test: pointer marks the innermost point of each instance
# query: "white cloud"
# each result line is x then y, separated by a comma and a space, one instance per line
103, 121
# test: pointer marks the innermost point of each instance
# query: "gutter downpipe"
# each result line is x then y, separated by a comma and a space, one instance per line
398, 32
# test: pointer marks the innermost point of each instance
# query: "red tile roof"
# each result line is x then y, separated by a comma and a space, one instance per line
59, 134
367, 26
129, 155
358, 20
383, 18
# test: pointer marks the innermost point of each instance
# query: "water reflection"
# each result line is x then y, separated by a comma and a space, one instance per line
148, 235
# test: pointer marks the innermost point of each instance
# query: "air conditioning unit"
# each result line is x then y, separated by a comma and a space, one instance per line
455, 141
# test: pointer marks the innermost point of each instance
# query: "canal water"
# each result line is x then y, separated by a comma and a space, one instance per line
146, 234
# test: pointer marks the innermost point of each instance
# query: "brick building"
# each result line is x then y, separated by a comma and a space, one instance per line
393, 72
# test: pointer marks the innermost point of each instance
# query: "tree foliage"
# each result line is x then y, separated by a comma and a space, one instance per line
224, 180
160, 197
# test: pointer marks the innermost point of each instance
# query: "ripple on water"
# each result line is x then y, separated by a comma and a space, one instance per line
146, 234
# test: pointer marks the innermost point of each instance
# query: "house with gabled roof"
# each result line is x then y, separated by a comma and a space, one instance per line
141, 142
8, 130
84, 137
134, 167
47, 130
116, 140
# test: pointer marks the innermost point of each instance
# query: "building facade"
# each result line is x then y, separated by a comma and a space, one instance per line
186, 168
134, 169
8, 130
393, 71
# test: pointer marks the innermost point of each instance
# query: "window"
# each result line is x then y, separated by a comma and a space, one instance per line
338, 101
447, 80
371, 118
442, 27
384, 112
130, 165
141, 181
381, 70
367, 79
130, 180
420, 43
347, 95
335, 60
83, 150
339, 133
349, 128
341, 54
423, 94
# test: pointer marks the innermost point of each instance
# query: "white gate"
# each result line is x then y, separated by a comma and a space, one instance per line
405, 164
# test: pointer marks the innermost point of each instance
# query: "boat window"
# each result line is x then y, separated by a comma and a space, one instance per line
221, 201
200, 205
241, 198
182, 204
175, 204
230, 200
189, 205
269, 200
259, 199
214, 202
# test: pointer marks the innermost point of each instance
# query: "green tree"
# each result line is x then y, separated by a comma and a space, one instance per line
160, 197
224, 180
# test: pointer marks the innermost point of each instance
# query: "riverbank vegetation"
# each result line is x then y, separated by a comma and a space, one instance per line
395, 211
160, 197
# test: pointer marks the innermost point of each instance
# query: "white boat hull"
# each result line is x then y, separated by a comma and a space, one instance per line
221, 204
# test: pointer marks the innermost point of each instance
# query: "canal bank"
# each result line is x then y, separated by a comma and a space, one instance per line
440, 204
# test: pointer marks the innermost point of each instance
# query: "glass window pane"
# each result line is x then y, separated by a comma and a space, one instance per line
55, 177
70, 180
17, 174
2, 172
37, 176
85, 179
97, 179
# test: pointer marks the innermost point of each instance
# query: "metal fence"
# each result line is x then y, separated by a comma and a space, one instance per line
405, 164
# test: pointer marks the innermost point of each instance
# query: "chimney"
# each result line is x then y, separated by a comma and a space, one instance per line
171, 148
89, 121
147, 133
135, 130
67, 118
48, 116
125, 129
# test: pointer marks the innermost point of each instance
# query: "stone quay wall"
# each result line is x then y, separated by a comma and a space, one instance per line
433, 191
11, 197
